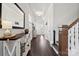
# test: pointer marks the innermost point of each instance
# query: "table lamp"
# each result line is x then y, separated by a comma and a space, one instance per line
7, 25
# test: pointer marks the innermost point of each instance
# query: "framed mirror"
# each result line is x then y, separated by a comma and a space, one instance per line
13, 13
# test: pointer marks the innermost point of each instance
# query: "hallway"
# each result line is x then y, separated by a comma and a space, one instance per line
41, 47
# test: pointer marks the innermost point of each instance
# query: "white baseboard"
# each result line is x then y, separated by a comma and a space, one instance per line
55, 50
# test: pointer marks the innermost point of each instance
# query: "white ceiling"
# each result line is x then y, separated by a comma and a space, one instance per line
39, 6
35, 7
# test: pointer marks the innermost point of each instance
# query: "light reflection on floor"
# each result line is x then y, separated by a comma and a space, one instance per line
42, 41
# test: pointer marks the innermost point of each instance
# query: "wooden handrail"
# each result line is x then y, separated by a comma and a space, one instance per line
77, 20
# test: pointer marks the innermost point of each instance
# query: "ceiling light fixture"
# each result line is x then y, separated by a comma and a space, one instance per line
39, 13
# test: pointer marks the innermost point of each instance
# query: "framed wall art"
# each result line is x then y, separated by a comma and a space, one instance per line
13, 13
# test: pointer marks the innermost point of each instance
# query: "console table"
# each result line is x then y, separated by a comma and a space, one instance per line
13, 46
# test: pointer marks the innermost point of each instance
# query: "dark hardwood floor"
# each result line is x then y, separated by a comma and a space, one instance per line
41, 47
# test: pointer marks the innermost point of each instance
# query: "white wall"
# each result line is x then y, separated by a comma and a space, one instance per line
49, 18
64, 14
